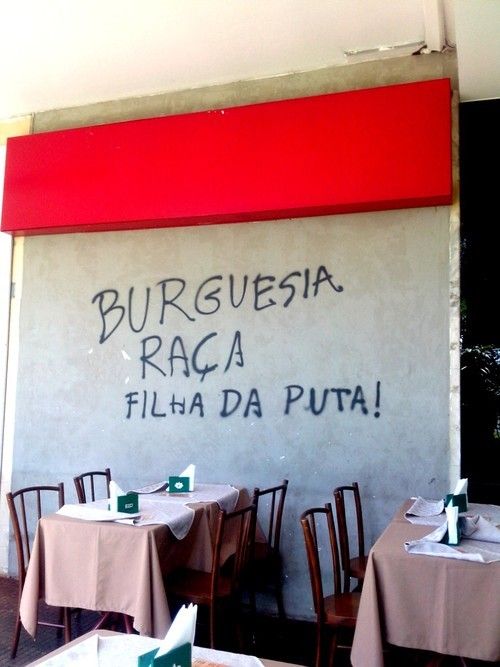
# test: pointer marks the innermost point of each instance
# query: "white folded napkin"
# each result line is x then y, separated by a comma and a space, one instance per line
181, 631
189, 472
474, 529
114, 492
423, 508
452, 523
478, 528
461, 486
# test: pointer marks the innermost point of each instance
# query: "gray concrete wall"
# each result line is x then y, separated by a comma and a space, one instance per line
327, 80
377, 317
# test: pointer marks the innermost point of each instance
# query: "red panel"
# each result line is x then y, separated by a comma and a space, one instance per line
364, 150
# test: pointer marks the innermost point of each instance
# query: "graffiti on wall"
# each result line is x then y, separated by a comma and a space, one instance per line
161, 356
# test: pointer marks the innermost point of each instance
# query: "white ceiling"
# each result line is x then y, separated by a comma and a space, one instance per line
478, 34
60, 53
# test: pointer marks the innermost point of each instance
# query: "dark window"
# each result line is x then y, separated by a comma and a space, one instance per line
480, 302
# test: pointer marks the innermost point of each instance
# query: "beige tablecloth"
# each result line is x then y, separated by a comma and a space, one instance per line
437, 604
114, 567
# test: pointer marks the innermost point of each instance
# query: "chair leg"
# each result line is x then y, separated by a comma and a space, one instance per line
319, 641
67, 624
279, 600
212, 624
333, 649
252, 602
237, 616
129, 628
17, 632
101, 622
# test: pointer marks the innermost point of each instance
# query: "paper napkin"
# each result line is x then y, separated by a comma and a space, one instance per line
176, 649
452, 523
189, 472
181, 631
114, 492
483, 547
461, 487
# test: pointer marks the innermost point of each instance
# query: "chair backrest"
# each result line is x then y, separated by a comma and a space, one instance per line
85, 484
234, 530
319, 530
276, 497
340, 504
26, 507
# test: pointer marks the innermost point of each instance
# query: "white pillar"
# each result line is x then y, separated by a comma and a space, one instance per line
11, 273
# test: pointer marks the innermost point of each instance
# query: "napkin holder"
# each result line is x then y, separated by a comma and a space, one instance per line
128, 503
178, 484
458, 500
177, 657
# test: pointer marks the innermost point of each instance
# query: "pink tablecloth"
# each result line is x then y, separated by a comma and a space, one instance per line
113, 567
423, 602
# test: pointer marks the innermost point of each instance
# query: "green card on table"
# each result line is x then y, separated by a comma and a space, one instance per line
178, 484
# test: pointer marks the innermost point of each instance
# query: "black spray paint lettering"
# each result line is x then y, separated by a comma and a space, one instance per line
231, 401
171, 295
175, 358
150, 404
316, 401
112, 311
376, 414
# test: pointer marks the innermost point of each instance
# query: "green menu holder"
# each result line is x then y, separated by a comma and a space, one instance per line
128, 503
178, 484
178, 657
459, 501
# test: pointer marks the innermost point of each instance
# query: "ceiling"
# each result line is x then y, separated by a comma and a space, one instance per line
60, 53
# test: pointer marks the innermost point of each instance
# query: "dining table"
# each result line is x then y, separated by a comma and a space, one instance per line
132, 645
445, 605
111, 566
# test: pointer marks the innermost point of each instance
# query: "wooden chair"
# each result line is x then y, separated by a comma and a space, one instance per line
222, 583
266, 563
354, 567
25, 507
339, 610
85, 484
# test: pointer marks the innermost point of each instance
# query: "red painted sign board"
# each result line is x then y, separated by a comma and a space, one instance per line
366, 150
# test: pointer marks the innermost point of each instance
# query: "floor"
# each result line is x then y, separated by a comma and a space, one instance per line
292, 641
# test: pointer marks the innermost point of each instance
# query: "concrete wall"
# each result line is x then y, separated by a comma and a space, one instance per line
375, 326
384, 337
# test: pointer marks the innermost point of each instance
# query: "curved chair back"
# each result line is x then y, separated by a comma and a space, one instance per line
318, 521
233, 532
335, 611
274, 519
237, 529
26, 507
353, 567
85, 484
